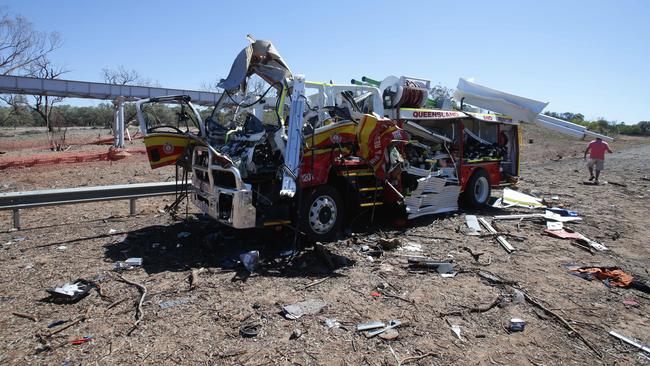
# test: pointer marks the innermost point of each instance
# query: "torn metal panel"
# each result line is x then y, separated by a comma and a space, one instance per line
473, 225
261, 58
294, 139
519, 108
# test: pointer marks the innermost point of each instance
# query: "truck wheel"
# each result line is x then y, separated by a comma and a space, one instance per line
321, 213
478, 189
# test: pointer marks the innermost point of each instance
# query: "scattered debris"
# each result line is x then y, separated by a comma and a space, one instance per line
563, 212
70, 292
307, 307
480, 309
295, 334
518, 297
139, 312
70, 324
504, 243
610, 276
389, 244
430, 264
370, 325
316, 283
61, 248
548, 215
406, 360
250, 260
112, 231
411, 247
473, 225
128, 264
56, 323
512, 197
584, 340
26, 316
455, 328
565, 233
630, 302
630, 341
617, 183
83, 340
332, 323
475, 255
250, 330
391, 324
517, 325
171, 303
194, 277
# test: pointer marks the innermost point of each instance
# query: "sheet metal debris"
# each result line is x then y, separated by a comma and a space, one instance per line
630, 341
370, 325
391, 324
512, 197
564, 233
504, 243
473, 225
307, 307
171, 303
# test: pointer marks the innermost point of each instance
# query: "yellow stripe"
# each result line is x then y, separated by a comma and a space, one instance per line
165, 160
370, 189
355, 174
276, 222
161, 139
320, 137
326, 151
371, 204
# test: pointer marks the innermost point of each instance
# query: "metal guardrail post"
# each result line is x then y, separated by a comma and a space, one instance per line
132, 206
16, 217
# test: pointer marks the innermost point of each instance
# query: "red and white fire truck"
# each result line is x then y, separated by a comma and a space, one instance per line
313, 155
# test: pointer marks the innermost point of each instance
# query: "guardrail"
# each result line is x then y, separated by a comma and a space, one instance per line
16, 201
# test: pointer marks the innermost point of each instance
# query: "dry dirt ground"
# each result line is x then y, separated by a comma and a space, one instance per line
61, 244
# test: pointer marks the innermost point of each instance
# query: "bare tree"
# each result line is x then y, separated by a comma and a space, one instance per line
123, 76
43, 104
21, 45
210, 86
22, 49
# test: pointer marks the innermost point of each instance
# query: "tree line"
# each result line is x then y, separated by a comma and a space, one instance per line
601, 125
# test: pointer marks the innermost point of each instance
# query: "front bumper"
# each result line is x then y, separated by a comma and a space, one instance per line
232, 205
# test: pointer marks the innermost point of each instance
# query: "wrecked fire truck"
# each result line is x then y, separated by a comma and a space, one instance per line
313, 155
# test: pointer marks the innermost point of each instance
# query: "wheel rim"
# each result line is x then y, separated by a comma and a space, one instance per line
481, 189
322, 214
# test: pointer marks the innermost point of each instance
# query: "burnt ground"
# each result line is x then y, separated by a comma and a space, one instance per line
60, 244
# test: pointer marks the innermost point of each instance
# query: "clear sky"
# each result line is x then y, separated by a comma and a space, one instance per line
581, 56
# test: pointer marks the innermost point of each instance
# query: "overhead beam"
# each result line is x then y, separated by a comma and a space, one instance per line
92, 90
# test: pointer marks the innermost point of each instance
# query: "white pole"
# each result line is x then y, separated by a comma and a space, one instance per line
116, 126
120, 111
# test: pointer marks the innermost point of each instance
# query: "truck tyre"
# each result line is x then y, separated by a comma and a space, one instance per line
478, 189
321, 213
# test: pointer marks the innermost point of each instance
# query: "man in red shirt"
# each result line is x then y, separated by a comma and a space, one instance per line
596, 149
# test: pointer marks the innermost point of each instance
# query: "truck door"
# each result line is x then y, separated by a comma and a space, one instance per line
169, 125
